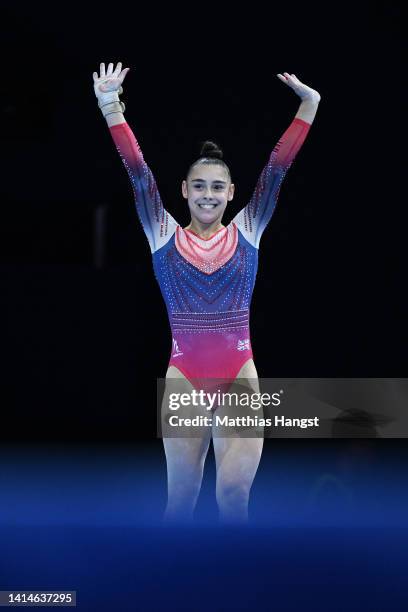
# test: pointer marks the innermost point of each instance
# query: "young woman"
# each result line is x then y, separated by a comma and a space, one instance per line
206, 272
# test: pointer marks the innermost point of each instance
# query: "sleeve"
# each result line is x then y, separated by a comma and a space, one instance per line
157, 223
253, 219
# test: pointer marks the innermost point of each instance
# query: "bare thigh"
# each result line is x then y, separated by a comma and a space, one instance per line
185, 454
237, 458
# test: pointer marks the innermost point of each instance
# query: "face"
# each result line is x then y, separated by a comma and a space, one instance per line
208, 190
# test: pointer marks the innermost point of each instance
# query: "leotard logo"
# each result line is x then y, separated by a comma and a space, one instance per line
176, 350
243, 345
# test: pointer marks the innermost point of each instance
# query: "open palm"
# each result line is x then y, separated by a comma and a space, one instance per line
108, 81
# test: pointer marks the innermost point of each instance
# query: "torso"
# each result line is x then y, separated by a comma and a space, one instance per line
207, 286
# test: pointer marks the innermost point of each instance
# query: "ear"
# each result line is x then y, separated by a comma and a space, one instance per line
231, 192
184, 189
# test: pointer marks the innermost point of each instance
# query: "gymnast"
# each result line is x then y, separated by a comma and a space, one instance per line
206, 272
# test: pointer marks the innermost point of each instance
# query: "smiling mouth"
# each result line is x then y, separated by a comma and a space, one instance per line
207, 206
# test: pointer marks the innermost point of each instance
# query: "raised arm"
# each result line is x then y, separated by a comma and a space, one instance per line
157, 223
253, 219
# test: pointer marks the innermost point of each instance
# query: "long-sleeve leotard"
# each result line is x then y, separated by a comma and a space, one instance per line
157, 223
253, 219
207, 284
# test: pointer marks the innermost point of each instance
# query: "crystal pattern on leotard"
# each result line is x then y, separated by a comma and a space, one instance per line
210, 254
188, 288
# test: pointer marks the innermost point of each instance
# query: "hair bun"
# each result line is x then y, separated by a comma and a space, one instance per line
210, 149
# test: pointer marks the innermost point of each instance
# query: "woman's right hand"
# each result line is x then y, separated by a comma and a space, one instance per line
109, 81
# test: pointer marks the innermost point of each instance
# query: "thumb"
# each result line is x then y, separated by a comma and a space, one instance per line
123, 74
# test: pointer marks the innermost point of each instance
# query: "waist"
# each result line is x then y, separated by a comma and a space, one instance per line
209, 321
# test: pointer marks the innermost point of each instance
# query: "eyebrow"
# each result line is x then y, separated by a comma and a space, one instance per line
203, 181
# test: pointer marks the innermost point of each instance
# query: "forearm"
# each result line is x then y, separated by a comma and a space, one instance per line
308, 109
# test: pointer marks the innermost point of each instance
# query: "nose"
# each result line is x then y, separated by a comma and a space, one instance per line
208, 194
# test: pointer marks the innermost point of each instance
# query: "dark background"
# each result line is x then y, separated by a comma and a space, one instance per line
85, 331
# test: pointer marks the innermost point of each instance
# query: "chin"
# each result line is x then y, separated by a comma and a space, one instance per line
209, 217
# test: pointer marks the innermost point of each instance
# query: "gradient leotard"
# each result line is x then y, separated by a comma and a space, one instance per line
207, 284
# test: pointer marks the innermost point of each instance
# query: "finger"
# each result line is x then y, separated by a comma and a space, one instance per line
123, 74
110, 69
95, 76
282, 78
117, 69
102, 70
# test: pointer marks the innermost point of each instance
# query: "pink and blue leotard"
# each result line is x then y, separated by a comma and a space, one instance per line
207, 284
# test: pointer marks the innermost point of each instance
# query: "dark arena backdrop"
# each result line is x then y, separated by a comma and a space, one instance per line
84, 328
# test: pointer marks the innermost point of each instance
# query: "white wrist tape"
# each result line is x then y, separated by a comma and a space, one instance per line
108, 97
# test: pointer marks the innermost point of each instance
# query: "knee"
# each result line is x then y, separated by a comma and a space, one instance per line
232, 494
183, 490
184, 481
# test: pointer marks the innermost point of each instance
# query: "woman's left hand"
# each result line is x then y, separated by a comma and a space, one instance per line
303, 91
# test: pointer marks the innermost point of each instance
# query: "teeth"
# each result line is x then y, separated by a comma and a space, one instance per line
207, 205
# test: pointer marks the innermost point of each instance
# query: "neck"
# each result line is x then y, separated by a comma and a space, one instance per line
204, 230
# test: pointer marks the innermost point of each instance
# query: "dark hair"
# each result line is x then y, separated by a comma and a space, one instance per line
210, 153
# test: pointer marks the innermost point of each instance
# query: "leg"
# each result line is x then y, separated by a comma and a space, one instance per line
185, 465
185, 462
237, 459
